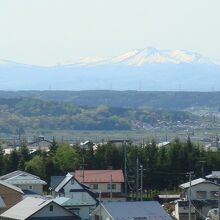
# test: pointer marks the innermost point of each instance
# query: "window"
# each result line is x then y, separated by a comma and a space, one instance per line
201, 194
30, 187
213, 195
72, 181
51, 208
93, 186
111, 186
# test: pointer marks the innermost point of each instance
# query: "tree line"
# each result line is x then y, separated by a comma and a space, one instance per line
17, 114
164, 167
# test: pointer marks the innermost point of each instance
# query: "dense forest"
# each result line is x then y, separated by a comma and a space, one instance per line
164, 168
19, 115
125, 99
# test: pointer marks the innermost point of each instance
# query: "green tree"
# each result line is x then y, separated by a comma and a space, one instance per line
24, 151
1, 160
23, 155
36, 166
53, 146
11, 161
66, 159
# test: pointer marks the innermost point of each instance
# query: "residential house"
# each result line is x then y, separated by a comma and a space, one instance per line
9, 195
204, 195
118, 141
163, 144
181, 211
29, 183
54, 182
40, 143
130, 210
38, 208
75, 196
108, 182
214, 177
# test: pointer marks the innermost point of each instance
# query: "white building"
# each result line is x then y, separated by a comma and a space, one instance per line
29, 183
37, 208
75, 196
204, 195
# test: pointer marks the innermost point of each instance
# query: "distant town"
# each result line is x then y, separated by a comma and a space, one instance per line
64, 159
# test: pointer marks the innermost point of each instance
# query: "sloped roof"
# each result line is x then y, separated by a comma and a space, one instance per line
63, 182
150, 210
27, 208
10, 186
214, 174
55, 181
99, 176
20, 177
195, 182
15, 173
79, 201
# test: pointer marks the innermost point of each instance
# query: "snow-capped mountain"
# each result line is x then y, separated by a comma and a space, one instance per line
150, 55
144, 69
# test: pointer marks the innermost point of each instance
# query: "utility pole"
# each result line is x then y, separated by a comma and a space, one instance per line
83, 170
190, 191
111, 188
141, 166
100, 205
137, 178
125, 167
219, 203
83, 166
202, 166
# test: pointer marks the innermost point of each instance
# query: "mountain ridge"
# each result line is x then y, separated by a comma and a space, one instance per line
136, 57
147, 69
150, 55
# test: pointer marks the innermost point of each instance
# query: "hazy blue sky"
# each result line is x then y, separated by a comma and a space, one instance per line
48, 32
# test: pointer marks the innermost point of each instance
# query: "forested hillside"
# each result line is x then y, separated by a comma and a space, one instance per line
22, 114
126, 99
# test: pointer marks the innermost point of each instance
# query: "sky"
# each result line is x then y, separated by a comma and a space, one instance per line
50, 32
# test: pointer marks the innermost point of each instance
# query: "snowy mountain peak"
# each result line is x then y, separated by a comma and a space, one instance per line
3, 62
151, 55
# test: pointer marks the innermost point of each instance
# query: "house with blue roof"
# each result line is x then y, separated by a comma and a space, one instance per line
144, 210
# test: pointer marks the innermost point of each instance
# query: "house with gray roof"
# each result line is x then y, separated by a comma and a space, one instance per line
214, 176
75, 196
204, 195
55, 181
144, 210
25, 181
38, 208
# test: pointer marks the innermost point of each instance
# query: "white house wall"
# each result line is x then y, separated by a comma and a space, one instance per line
81, 196
57, 211
103, 187
37, 188
208, 187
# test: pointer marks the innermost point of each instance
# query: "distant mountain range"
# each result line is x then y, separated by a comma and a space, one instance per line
146, 69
